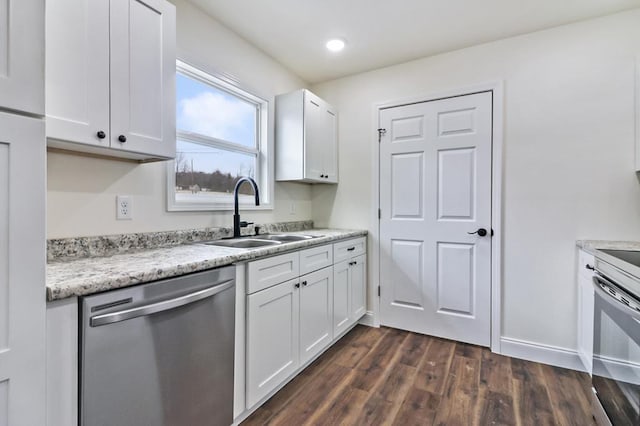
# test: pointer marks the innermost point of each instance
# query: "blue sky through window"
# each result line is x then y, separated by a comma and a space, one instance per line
212, 112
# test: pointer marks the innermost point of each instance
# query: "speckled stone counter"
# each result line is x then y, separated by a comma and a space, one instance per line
592, 246
89, 275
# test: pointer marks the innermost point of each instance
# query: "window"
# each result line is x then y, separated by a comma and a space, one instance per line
221, 136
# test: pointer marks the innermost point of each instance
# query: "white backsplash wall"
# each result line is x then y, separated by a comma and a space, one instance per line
568, 154
82, 191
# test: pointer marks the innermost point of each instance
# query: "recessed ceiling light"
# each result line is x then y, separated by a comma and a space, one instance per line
335, 44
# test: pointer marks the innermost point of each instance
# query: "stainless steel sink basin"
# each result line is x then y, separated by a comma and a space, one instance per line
243, 243
287, 237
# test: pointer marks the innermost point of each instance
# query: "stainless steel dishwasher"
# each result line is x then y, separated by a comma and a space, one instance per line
159, 354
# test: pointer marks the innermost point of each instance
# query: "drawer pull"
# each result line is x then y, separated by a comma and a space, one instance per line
351, 249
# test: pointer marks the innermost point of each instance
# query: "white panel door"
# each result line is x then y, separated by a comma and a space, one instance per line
143, 76
22, 55
316, 313
22, 270
78, 71
273, 317
435, 192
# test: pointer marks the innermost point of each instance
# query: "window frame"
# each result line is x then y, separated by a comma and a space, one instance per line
264, 173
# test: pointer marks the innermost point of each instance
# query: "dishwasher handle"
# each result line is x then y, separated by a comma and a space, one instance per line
161, 306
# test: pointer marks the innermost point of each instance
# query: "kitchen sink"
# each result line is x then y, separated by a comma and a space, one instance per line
287, 238
242, 243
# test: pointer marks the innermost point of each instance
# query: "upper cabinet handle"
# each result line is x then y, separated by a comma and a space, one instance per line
351, 249
122, 138
589, 267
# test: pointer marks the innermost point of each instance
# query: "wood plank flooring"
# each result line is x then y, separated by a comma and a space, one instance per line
384, 376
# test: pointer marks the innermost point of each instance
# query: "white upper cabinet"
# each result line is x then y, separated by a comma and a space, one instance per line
21, 55
110, 77
306, 138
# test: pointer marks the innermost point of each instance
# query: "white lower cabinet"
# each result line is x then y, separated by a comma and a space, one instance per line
290, 323
272, 338
62, 362
287, 326
585, 309
350, 293
341, 296
316, 313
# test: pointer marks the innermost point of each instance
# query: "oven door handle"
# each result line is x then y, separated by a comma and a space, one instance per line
165, 305
599, 280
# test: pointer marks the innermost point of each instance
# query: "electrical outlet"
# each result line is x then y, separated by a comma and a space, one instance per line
124, 207
292, 208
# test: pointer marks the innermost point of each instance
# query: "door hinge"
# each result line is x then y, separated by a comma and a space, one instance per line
379, 213
381, 133
378, 291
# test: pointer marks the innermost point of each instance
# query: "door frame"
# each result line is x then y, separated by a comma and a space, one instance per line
497, 87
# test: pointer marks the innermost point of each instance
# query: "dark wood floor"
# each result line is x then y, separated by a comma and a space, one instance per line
385, 376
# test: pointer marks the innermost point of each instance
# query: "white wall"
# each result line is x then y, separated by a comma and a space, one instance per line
568, 156
81, 191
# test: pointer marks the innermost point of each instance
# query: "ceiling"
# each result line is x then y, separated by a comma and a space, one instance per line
385, 32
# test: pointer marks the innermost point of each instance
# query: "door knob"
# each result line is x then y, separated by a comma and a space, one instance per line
481, 232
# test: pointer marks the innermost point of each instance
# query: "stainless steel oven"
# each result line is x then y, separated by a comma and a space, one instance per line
616, 342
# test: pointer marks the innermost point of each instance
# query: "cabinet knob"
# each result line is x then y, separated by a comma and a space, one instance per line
321, 176
297, 285
122, 138
304, 283
101, 135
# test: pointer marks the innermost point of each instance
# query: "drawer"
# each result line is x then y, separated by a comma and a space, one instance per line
267, 272
316, 258
585, 259
348, 249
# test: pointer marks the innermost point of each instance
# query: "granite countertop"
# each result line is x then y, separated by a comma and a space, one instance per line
592, 246
83, 276
626, 264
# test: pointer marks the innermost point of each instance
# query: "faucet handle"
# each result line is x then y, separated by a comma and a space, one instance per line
244, 224
257, 229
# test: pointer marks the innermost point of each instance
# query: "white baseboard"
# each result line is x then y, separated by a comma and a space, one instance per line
544, 354
368, 319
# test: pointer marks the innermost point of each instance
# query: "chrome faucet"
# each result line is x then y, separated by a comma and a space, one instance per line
237, 224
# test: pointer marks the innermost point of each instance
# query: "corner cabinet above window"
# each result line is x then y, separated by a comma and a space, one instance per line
110, 77
306, 138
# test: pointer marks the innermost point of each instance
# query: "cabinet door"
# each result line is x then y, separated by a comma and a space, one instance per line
273, 319
22, 270
316, 313
22, 55
585, 321
358, 281
314, 124
143, 70
330, 154
77, 75
341, 298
